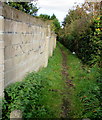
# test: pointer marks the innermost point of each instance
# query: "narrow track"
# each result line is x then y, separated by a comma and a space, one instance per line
68, 84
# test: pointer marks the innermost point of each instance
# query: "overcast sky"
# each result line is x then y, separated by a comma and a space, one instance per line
58, 7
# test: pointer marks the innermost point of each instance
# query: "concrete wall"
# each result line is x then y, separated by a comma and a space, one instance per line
25, 45
1, 52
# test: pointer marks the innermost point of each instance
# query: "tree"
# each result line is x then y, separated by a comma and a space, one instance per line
94, 7
55, 23
82, 34
74, 14
47, 17
44, 16
27, 7
53, 17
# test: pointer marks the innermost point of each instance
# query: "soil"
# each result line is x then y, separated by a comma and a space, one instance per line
68, 85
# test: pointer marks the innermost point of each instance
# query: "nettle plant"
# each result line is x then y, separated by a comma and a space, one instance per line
96, 40
98, 25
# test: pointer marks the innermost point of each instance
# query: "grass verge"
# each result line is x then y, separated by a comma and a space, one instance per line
85, 96
39, 94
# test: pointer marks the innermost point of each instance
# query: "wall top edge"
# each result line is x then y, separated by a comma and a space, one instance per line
11, 13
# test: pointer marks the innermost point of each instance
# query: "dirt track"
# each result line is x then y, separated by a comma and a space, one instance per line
68, 84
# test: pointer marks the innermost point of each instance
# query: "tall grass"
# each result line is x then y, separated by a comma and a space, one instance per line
86, 95
40, 95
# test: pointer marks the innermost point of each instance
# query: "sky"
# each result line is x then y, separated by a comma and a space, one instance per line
58, 7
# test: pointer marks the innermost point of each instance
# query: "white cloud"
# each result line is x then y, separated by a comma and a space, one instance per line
58, 7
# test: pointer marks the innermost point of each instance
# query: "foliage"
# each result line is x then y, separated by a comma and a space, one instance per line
85, 95
40, 95
26, 7
37, 96
55, 23
92, 50
82, 34
26, 96
74, 15
53, 17
45, 17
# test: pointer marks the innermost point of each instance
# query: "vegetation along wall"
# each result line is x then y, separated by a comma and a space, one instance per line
25, 45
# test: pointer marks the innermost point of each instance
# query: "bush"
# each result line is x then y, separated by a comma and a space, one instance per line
27, 96
84, 37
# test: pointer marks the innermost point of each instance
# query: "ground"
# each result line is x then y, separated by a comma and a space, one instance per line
66, 88
68, 84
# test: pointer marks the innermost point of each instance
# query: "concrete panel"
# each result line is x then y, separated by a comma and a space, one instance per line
1, 11
10, 26
8, 39
1, 56
1, 88
1, 36
1, 68
25, 44
1, 24
1, 75
12, 51
7, 11
1, 44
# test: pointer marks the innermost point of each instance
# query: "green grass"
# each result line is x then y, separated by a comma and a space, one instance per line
39, 95
54, 77
86, 94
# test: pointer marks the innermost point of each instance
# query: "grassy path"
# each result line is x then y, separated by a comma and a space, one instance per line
81, 98
64, 89
68, 84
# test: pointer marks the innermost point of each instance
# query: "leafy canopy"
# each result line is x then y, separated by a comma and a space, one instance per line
82, 33
55, 23
27, 7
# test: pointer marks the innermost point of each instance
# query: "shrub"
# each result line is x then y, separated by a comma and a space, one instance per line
83, 35
27, 96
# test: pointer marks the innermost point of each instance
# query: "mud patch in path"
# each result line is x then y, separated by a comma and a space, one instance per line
68, 85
